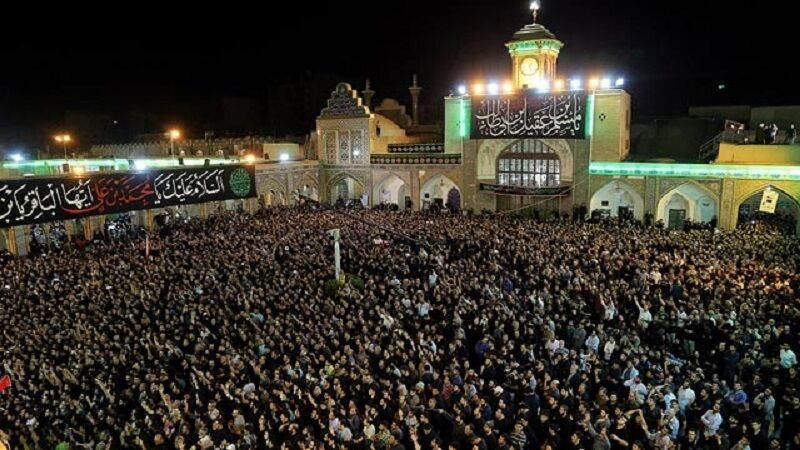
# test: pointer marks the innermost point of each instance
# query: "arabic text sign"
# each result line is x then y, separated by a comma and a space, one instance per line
35, 200
529, 115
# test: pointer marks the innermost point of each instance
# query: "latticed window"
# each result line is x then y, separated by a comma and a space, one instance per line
529, 163
342, 190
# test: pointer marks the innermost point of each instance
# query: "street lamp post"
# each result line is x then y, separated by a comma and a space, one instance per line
173, 135
63, 139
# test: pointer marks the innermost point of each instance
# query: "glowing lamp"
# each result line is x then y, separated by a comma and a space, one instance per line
575, 84
478, 88
620, 82
462, 90
606, 83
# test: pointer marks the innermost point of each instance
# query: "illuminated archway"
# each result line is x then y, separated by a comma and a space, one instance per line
689, 201
787, 208
310, 188
345, 187
437, 191
617, 196
391, 190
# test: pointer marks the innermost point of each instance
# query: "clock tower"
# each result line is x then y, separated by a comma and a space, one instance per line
534, 52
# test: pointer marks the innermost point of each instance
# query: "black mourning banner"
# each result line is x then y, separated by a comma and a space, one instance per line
529, 115
45, 199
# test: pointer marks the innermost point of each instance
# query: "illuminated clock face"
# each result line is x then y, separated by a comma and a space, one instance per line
529, 66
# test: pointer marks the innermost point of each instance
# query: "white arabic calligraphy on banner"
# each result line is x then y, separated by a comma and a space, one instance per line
31, 202
34, 200
529, 115
182, 185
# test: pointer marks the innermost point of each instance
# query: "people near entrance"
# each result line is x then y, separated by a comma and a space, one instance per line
791, 135
482, 332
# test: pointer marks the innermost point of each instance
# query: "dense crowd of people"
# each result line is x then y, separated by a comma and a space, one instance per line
468, 332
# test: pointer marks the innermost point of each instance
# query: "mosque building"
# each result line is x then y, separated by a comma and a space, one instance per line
537, 142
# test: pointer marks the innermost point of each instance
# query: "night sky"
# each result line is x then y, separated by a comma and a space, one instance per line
152, 66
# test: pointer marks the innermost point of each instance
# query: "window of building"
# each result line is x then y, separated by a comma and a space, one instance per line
529, 163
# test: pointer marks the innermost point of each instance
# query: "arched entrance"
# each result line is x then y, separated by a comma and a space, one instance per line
390, 191
617, 199
310, 192
436, 191
688, 201
756, 208
345, 188
275, 197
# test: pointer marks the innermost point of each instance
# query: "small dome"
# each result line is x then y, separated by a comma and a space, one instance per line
533, 31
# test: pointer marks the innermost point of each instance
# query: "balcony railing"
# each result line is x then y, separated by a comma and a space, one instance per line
416, 148
416, 159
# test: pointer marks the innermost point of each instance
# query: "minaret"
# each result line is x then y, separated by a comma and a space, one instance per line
368, 93
415, 90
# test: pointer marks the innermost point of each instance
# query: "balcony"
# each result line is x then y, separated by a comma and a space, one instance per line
560, 190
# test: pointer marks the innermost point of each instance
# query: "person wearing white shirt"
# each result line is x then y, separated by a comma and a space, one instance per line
644, 315
686, 396
432, 279
609, 348
788, 358
638, 389
423, 309
552, 345
593, 342
630, 373
712, 420
668, 397
655, 275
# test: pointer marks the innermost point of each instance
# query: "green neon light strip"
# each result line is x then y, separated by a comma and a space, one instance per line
547, 44
747, 172
462, 130
589, 115
115, 163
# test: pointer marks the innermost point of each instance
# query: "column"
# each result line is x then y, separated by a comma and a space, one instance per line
11, 241
88, 232
728, 212
416, 202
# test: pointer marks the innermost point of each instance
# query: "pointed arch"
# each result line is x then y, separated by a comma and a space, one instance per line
392, 189
345, 186
616, 196
698, 203
436, 190
754, 196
